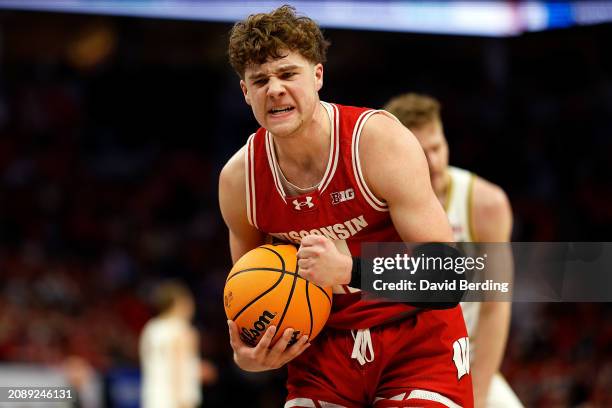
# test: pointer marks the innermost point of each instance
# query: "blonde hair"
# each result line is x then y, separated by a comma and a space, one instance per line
262, 36
167, 293
414, 110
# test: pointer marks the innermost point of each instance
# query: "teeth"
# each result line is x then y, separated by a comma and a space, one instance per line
277, 110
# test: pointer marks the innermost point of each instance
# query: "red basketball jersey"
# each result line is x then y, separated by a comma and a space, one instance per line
341, 208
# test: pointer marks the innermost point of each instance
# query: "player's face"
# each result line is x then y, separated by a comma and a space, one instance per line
283, 93
431, 137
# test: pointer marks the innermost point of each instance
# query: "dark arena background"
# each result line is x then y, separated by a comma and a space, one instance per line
113, 130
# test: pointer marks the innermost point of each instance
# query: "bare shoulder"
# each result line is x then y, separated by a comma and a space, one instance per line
488, 196
233, 173
491, 211
388, 153
383, 132
232, 190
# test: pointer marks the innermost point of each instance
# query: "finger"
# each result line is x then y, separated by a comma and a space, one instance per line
294, 348
233, 334
277, 350
304, 252
312, 239
297, 349
309, 252
262, 347
305, 273
304, 263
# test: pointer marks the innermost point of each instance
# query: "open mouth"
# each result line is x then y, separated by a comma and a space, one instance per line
280, 109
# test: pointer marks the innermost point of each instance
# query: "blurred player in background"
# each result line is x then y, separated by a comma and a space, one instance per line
317, 173
478, 211
171, 368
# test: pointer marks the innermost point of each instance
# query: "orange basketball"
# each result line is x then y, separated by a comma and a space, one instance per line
264, 289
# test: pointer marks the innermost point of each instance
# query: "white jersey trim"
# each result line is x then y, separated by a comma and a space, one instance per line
249, 163
274, 166
374, 202
459, 201
334, 149
309, 403
300, 402
433, 396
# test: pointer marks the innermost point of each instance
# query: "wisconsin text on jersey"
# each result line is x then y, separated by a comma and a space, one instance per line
335, 232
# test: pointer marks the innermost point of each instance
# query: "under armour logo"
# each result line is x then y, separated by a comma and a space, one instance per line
461, 356
299, 204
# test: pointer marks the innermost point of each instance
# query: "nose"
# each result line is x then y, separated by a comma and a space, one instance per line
275, 87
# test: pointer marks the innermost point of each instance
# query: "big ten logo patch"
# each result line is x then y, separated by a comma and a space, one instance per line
461, 356
342, 196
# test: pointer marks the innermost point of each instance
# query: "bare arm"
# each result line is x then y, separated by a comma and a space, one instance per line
492, 217
179, 354
242, 238
232, 200
396, 171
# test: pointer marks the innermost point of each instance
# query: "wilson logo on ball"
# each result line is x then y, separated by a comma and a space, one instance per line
250, 336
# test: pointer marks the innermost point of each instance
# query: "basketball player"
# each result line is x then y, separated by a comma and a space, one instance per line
171, 368
316, 173
478, 211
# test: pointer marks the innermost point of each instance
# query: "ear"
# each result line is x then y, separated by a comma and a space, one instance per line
245, 92
318, 74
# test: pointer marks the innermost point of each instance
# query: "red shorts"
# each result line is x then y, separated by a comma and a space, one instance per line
419, 362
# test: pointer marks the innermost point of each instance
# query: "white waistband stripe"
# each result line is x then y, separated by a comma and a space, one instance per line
300, 402
432, 396
422, 395
308, 403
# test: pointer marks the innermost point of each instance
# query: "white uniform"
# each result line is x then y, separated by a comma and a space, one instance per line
156, 352
458, 204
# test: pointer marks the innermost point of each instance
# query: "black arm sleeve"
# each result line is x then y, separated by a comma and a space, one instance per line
426, 300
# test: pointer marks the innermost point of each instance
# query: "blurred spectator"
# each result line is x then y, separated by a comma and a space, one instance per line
169, 355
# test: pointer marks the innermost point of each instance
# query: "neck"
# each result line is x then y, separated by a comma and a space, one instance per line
304, 155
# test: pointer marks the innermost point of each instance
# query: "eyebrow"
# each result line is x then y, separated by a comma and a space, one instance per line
282, 68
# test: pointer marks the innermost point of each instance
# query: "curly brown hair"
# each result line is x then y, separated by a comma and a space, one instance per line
262, 36
414, 110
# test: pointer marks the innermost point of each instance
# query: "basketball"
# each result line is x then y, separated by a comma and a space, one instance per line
264, 289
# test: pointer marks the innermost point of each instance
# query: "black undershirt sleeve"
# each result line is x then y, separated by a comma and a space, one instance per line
422, 300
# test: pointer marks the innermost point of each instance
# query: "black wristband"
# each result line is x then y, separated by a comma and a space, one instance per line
356, 273
426, 300
440, 299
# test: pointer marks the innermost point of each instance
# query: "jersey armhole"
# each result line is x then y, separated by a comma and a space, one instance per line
470, 203
249, 173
